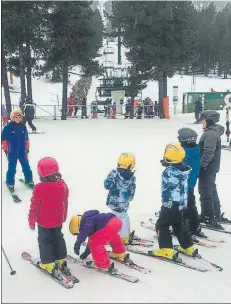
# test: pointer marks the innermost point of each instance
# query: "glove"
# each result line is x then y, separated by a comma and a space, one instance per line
27, 151
6, 152
77, 247
202, 171
86, 253
32, 227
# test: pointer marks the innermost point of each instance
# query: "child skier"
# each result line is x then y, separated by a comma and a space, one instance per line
48, 208
102, 229
174, 202
113, 109
121, 186
187, 138
94, 109
15, 144
139, 111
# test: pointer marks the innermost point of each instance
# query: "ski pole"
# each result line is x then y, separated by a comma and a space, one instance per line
8, 262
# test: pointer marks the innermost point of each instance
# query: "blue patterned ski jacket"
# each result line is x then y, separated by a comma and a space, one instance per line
121, 191
174, 186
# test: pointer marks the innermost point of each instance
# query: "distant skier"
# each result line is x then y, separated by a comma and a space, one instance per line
113, 110
4, 115
156, 108
127, 108
84, 108
101, 229
198, 109
210, 147
94, 108
139, 111
29, 111
121, 184
48, 209
15, 144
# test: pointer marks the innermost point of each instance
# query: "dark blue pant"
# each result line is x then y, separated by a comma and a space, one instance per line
12, 163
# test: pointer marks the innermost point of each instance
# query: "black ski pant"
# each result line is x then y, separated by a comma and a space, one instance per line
191, 214
210, 203
76, 111
30, 123
52, 245
172, 217
84, 111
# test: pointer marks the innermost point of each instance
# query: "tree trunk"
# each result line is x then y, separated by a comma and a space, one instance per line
132, 107
22, 74
65, 85
161, 95
28, 71
5, 84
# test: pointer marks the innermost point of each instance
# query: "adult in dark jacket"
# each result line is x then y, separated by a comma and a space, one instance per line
210, 148
15, 143
101, 229
29, 111
198, 109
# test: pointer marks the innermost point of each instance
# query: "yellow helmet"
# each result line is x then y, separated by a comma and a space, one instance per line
126, 161
174, 153
75, 224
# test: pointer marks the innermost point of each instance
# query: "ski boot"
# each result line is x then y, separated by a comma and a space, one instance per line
223, 219
199, 233
167, 253
62, 264
10, 188
107, 269
189, 251
51, 268
123, 257
211, 222
30, 185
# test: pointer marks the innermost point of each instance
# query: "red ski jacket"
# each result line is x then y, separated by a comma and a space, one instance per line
49, 204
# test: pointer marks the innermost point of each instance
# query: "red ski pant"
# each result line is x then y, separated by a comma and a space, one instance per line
95, 115
107, 235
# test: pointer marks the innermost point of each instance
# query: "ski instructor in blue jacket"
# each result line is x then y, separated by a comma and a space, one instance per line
15, 144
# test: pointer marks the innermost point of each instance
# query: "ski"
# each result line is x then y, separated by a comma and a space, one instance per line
69, 276
23, 182
206, 226
178, 262
61, 279
128, 262
14, 196
195, 240
198, 237
225, 147
114, 272
141, 243
36, 132
198, 256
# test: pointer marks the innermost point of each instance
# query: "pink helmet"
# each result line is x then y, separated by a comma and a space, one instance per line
47, 166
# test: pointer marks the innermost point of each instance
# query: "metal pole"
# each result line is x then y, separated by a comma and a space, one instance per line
8, 262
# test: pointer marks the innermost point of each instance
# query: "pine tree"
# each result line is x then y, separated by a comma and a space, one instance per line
75, 36
160, 37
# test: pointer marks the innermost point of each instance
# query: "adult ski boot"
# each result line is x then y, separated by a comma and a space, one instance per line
224, 220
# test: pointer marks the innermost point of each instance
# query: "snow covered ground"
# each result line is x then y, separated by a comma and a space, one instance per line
86, 151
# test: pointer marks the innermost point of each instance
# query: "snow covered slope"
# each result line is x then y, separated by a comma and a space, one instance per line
86, 151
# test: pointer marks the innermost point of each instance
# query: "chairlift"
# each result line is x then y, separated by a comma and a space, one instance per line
108, 50
108, 64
